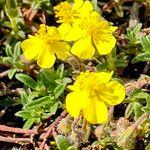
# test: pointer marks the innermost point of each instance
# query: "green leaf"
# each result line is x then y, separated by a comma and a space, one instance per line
147, 107
62, 142
8, 51
2, 2
141, 95
66, 80
11, 72
33, 95
40, 102
7, 60
26, 114
21, 34
147, 147
96, 7
27, 80
14, 14
137, 110
137, 96
131, 34
59, 90
10, 8
72, 148
137, 28
17, 50
48, 77
145, 41
24, 98
54, 107
28, 123
142, 57
60, 71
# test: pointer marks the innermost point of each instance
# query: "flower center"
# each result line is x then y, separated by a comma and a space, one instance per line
65, 12
91, 84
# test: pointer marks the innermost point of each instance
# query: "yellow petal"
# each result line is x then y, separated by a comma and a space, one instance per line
112, 28
46, 58
113, 93
75, 102
64, 29
83, 48
31, 47
105, 45
61, 49
77, 4
75, 86
74, 33
96, 112
104, 77
86, 8
52, 31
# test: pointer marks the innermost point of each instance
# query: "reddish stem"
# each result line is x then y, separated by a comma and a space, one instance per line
15, 130
15, 140
51, 129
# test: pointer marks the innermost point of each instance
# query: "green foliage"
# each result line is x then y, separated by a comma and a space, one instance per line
13, 58
54, 81
96, 7
63, 143
38, 4
136, 107
147, 107
37, 110
27, 80
142, 57
138, 44
132, 34
50, 85
13, 12
41, 92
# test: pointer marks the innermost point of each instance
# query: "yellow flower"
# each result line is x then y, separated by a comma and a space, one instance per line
70, 14
93, 33
91, 94
44, 45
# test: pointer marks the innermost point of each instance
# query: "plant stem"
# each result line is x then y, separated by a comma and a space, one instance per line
139, 121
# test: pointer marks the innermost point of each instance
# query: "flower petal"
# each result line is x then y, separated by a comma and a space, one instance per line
75, 102
83, 48
113, 28
31, 47
105, 45
86, 8
96, 112
61, 49
74, 33
113, 93
64, 29
104, 77
46, 58
77, 4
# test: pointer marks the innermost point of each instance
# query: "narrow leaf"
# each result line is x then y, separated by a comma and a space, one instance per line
59, 90
60, 71
142, 57
40, 102
17, 50
11, 72
28, 123
27, 80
